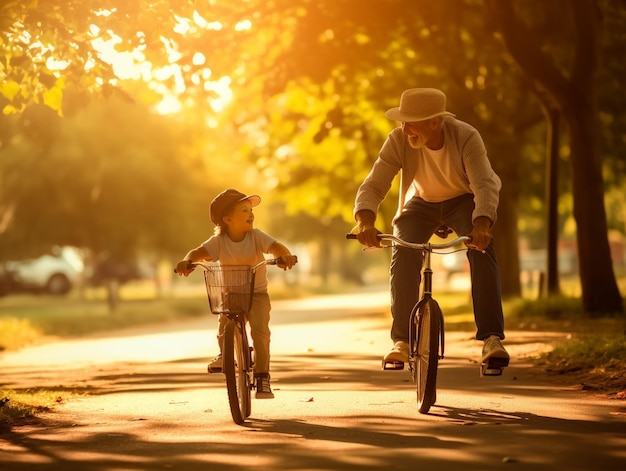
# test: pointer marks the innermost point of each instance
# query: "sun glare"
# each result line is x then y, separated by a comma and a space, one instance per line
126, 65
223, 90
244, 25
182, 25
169, 105
53, 64
198, 59
132, 65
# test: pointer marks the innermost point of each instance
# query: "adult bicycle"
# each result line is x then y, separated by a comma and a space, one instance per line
230, 289
426, 327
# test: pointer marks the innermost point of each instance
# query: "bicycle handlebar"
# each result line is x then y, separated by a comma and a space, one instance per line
269, 261
411, 245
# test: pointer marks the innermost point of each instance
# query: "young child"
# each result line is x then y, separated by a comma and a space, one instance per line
237, 242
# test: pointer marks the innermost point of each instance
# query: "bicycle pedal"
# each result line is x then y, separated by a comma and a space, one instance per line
493, 366
214, 370
490, 370
393, 365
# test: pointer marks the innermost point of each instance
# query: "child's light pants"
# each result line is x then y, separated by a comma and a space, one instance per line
259, 319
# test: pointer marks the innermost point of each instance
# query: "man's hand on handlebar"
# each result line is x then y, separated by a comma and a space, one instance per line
366, 232
368, 236
480, 235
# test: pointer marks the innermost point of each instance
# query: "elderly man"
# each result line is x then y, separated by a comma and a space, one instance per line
446, 179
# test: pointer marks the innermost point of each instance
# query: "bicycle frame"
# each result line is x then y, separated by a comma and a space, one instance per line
426, 326
230, 290
426, 330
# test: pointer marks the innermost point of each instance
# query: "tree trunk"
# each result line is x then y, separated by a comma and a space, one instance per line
113, 294
505, 232
599, 287
552, 200
574, 95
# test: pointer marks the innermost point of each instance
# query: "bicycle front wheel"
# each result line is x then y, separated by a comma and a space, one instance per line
235, 369
425, 357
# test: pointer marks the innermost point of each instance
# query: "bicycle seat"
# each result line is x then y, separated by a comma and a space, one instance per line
443, 232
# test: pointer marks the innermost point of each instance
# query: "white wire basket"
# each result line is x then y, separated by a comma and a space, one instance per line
230, 288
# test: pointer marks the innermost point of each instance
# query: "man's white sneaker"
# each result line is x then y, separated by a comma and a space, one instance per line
399, 353
494, 353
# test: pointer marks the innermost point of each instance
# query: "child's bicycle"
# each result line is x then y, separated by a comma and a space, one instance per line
426, 328
230, 289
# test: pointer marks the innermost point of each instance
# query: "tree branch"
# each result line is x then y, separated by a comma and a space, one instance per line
521, 43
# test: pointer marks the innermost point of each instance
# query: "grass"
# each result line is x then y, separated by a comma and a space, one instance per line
15, 333
25, 320
595, 362
594, 356
16, 406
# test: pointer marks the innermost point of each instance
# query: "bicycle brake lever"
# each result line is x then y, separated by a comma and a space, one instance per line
474, 248
373, 247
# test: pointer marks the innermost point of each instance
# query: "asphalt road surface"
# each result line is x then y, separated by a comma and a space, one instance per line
150, 405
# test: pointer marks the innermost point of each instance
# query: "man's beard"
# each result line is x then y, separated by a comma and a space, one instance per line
415, 142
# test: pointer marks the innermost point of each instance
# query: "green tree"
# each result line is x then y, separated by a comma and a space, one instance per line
571, 82
318, 75
45, 47
344, 66
310, 80
112, 179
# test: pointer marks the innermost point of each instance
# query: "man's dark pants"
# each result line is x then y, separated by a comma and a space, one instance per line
417, 222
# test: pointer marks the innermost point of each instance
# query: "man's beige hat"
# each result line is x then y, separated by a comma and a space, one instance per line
418, 104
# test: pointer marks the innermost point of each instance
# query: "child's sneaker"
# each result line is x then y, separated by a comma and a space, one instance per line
215, 365
263, 388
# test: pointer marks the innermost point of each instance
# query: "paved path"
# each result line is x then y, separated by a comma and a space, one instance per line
152, 406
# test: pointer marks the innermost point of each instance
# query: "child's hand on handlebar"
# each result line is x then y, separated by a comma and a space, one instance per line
287, 261
183, 268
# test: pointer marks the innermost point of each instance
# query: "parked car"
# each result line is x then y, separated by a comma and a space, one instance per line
55, 273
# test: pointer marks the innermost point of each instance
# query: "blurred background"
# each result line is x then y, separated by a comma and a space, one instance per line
122, 120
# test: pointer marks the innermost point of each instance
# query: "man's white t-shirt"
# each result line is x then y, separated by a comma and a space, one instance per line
249, 251
435, 179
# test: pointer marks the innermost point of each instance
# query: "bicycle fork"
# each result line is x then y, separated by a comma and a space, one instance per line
428, 294
415, 318
248, 365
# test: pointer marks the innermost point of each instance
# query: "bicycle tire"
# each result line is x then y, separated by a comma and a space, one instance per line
426, 355
235, 371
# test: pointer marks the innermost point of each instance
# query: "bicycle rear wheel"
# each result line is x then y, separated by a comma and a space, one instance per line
425, 357
236, 371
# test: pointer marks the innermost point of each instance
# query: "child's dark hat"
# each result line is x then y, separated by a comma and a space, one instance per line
226, 200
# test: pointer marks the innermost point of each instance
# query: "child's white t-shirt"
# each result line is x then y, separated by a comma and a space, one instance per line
249, 251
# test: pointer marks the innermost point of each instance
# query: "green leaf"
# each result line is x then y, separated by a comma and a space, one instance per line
10, 89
